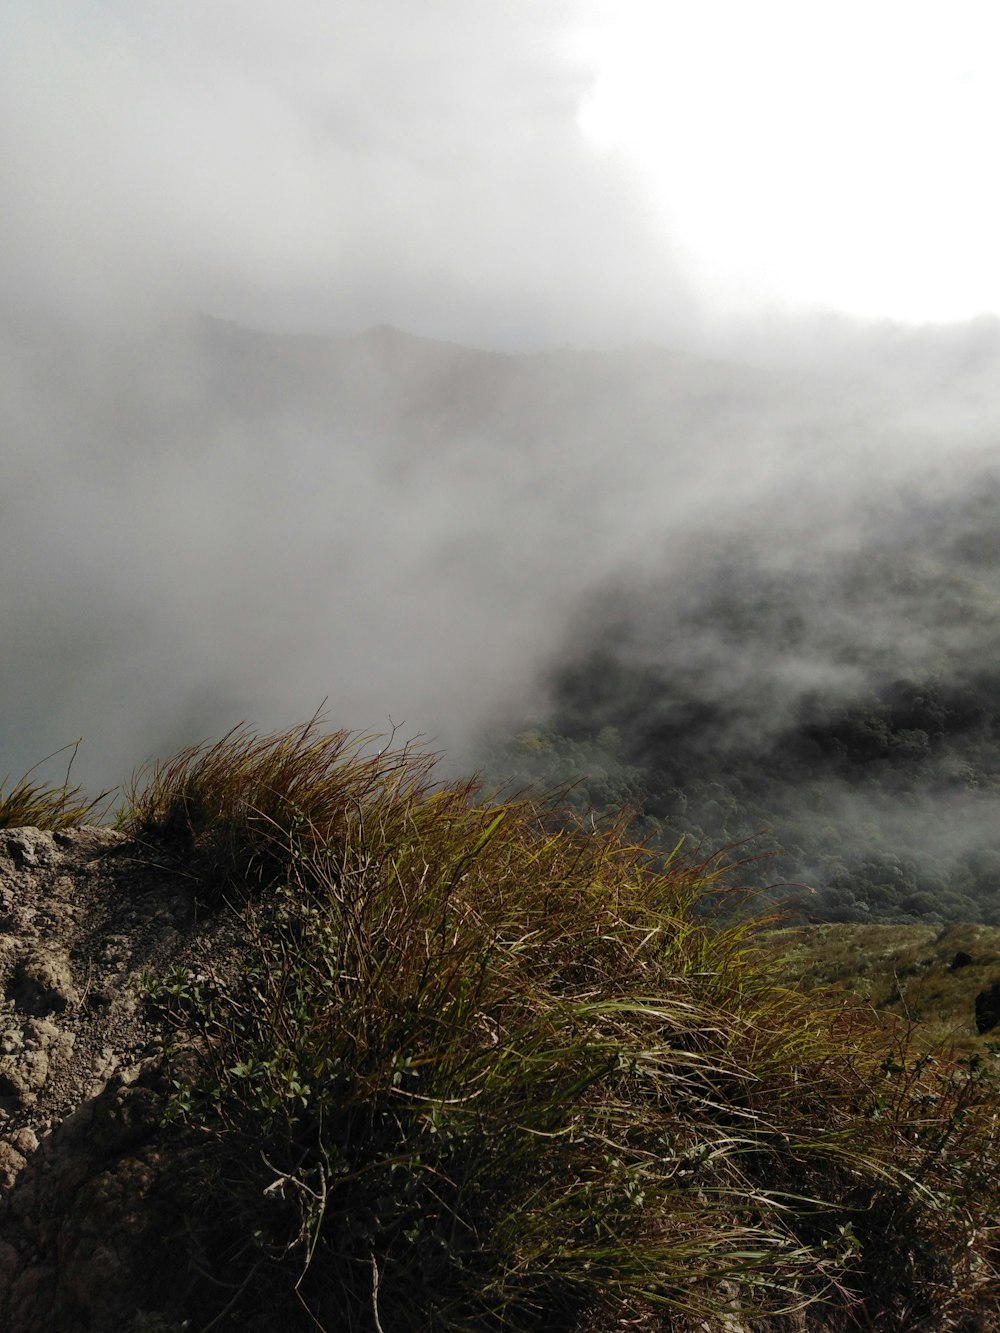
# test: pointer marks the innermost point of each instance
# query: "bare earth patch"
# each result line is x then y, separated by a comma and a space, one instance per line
88, 1191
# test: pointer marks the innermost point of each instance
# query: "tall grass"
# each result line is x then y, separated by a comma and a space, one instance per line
480, 1072
28, 804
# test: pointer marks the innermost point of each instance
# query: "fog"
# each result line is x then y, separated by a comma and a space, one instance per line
205, 524
338, 369
328, 170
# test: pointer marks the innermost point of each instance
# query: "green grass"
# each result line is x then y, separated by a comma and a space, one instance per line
480, 1072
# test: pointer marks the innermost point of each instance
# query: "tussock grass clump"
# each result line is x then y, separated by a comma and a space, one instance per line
481, 1072
236, 808
27, 804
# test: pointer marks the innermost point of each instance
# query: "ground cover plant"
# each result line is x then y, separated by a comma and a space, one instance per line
479, 1070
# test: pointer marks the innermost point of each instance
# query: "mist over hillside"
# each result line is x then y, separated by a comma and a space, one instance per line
839, 716
205, 523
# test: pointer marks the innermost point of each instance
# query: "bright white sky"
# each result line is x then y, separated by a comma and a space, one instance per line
842, 155
508, 172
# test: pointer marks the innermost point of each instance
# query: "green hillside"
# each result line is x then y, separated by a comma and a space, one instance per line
921, 974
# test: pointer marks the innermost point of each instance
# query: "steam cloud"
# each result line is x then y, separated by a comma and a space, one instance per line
217, 516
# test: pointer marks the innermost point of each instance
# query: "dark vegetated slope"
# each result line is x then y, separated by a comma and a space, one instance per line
843, 714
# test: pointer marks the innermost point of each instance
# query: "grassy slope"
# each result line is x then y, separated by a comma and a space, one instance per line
902, 970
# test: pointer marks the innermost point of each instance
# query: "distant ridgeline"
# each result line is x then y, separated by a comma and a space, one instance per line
844, 718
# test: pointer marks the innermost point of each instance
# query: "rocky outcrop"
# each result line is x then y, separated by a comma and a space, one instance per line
91, 1218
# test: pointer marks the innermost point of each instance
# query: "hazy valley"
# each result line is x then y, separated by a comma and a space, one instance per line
751, 595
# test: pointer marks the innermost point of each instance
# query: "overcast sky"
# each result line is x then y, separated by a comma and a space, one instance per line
510, 174
516, 173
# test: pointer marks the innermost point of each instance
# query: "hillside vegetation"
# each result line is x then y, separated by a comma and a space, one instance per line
840, 717
475, 1069
924, 974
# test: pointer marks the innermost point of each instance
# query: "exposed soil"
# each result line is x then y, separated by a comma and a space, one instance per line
91, 1212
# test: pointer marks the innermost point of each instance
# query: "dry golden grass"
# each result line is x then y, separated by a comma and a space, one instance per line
481, 1071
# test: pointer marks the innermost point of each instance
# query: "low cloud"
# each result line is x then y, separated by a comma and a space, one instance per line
203, 523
